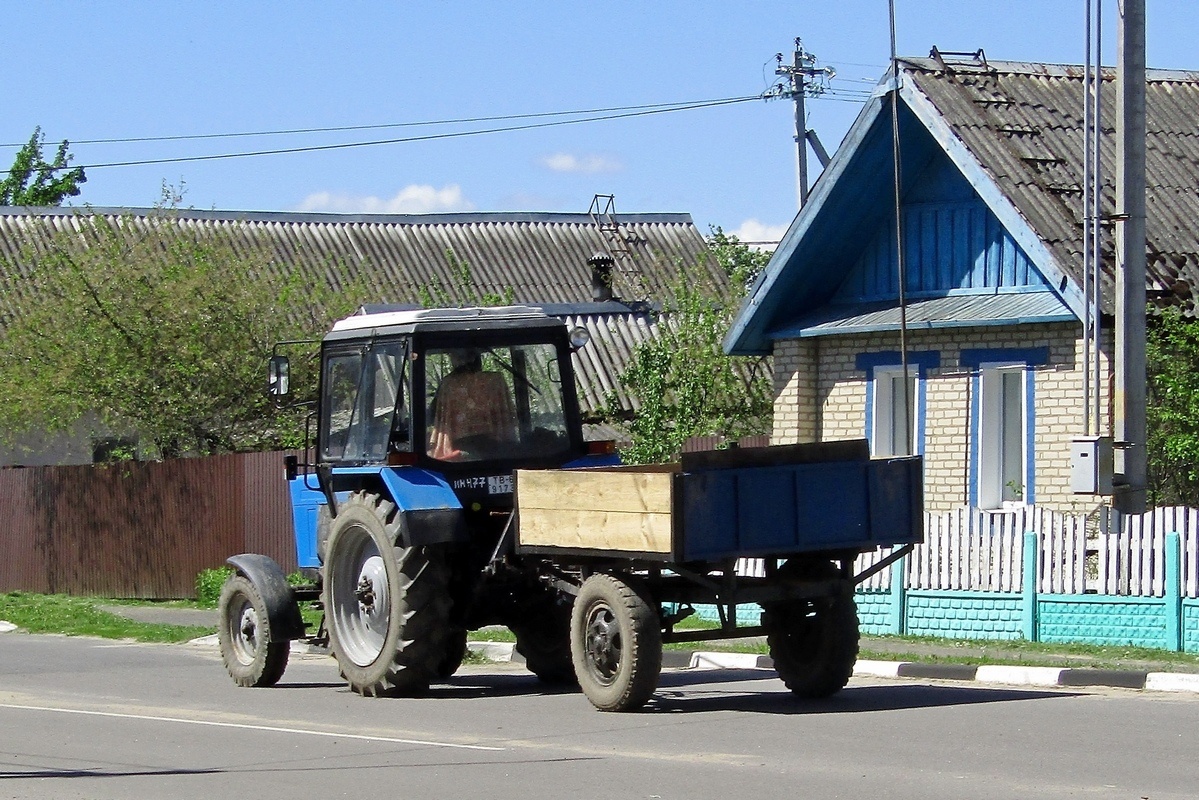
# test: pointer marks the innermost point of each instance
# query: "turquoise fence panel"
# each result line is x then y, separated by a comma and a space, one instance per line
1190, 625
965, 615
1102, 619
874, 611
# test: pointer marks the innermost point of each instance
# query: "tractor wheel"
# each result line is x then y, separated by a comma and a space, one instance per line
387, 607
616, 644
813, 642
250, 657
543, 638
455, 652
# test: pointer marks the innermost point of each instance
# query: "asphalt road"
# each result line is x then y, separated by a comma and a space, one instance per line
86, 718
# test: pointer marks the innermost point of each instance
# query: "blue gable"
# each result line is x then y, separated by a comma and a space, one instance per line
953, 244
835, 269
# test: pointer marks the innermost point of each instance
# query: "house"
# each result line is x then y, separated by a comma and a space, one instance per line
544, 258
991, 158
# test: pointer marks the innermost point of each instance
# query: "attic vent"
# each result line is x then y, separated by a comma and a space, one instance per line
961, 60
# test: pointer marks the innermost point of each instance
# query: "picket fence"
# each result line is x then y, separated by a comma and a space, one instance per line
1104, 552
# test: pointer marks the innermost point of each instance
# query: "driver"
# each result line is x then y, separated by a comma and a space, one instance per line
472, 408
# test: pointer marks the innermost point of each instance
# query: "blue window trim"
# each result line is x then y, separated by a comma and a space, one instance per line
1030, 357
923, 361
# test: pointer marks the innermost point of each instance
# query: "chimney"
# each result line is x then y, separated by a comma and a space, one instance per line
601, 276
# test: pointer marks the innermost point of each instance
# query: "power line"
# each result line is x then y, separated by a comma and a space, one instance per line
424, 138
385, 126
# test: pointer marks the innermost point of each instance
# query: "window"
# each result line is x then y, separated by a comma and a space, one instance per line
894, 426
364, 403
1002, 435
494, 403
888, 405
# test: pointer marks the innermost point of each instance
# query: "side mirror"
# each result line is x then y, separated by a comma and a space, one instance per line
278, 382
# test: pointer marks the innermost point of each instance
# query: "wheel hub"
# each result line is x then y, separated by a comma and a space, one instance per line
603, 643
365, 593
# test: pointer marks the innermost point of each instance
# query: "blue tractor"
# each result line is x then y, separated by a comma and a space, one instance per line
405, 521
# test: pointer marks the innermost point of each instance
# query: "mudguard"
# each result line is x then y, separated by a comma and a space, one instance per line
282, 610
429, 511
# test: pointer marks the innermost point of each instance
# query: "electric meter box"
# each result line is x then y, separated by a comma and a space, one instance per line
1091, 465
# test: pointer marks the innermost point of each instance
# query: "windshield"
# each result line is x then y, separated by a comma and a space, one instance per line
364, 403
487, 403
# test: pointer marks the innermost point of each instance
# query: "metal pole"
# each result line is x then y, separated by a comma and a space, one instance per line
1130, 260
1086, 230
1097, 220
801, 139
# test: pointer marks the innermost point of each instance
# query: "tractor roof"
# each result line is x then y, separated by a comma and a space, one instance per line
373, 320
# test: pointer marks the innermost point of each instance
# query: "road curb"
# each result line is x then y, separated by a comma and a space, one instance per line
989, 674
1047, 677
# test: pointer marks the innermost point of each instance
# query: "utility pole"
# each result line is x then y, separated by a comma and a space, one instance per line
805, 79
1131, 456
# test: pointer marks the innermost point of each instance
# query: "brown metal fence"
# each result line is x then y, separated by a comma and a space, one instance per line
140, 529
146, 529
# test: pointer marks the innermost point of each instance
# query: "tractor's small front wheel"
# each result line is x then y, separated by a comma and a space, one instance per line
251, 657
615, 643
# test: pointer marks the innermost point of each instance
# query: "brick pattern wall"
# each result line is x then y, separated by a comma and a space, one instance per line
968, 617
1126, 621
820, 396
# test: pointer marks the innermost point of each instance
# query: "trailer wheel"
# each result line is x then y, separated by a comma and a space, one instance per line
244, 633
616, 644
813, 642
543, 638
387, 607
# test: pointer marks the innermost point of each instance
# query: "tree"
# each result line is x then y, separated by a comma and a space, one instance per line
462, 291
685, 385
32, 181
1172, 361
162, 332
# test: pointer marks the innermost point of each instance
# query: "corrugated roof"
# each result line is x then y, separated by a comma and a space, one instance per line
954, 311
541, 257
1024, 124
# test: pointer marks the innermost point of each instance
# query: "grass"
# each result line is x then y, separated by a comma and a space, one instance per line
79, 616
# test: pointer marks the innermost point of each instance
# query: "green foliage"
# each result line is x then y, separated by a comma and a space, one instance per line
154, 330
1172, 412
78, 616
461, 291
209, 583
740, 262
685, 384
32, 181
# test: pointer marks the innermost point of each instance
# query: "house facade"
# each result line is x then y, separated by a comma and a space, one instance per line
999, 374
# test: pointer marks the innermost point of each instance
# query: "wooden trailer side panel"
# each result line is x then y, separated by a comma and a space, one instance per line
623, 511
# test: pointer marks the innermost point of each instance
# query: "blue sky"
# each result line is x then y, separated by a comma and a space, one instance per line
94, 70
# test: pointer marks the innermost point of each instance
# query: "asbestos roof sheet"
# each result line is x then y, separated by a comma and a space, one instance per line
541, 257
1023, 122
954, 311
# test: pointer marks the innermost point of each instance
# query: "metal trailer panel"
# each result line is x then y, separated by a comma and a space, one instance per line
778, 510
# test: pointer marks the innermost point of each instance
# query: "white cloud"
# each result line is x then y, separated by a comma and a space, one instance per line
587, 164
412, 199
759, 235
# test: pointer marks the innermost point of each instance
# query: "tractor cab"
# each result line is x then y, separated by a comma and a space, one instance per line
469, 394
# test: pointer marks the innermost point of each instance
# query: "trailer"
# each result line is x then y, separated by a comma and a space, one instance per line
452, 489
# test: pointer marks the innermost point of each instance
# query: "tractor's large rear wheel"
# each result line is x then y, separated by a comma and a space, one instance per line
387, 607
543, 638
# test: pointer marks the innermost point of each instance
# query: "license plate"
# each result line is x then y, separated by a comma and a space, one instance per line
499, 484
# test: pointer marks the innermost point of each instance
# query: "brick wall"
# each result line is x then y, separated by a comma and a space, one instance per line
821, 396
